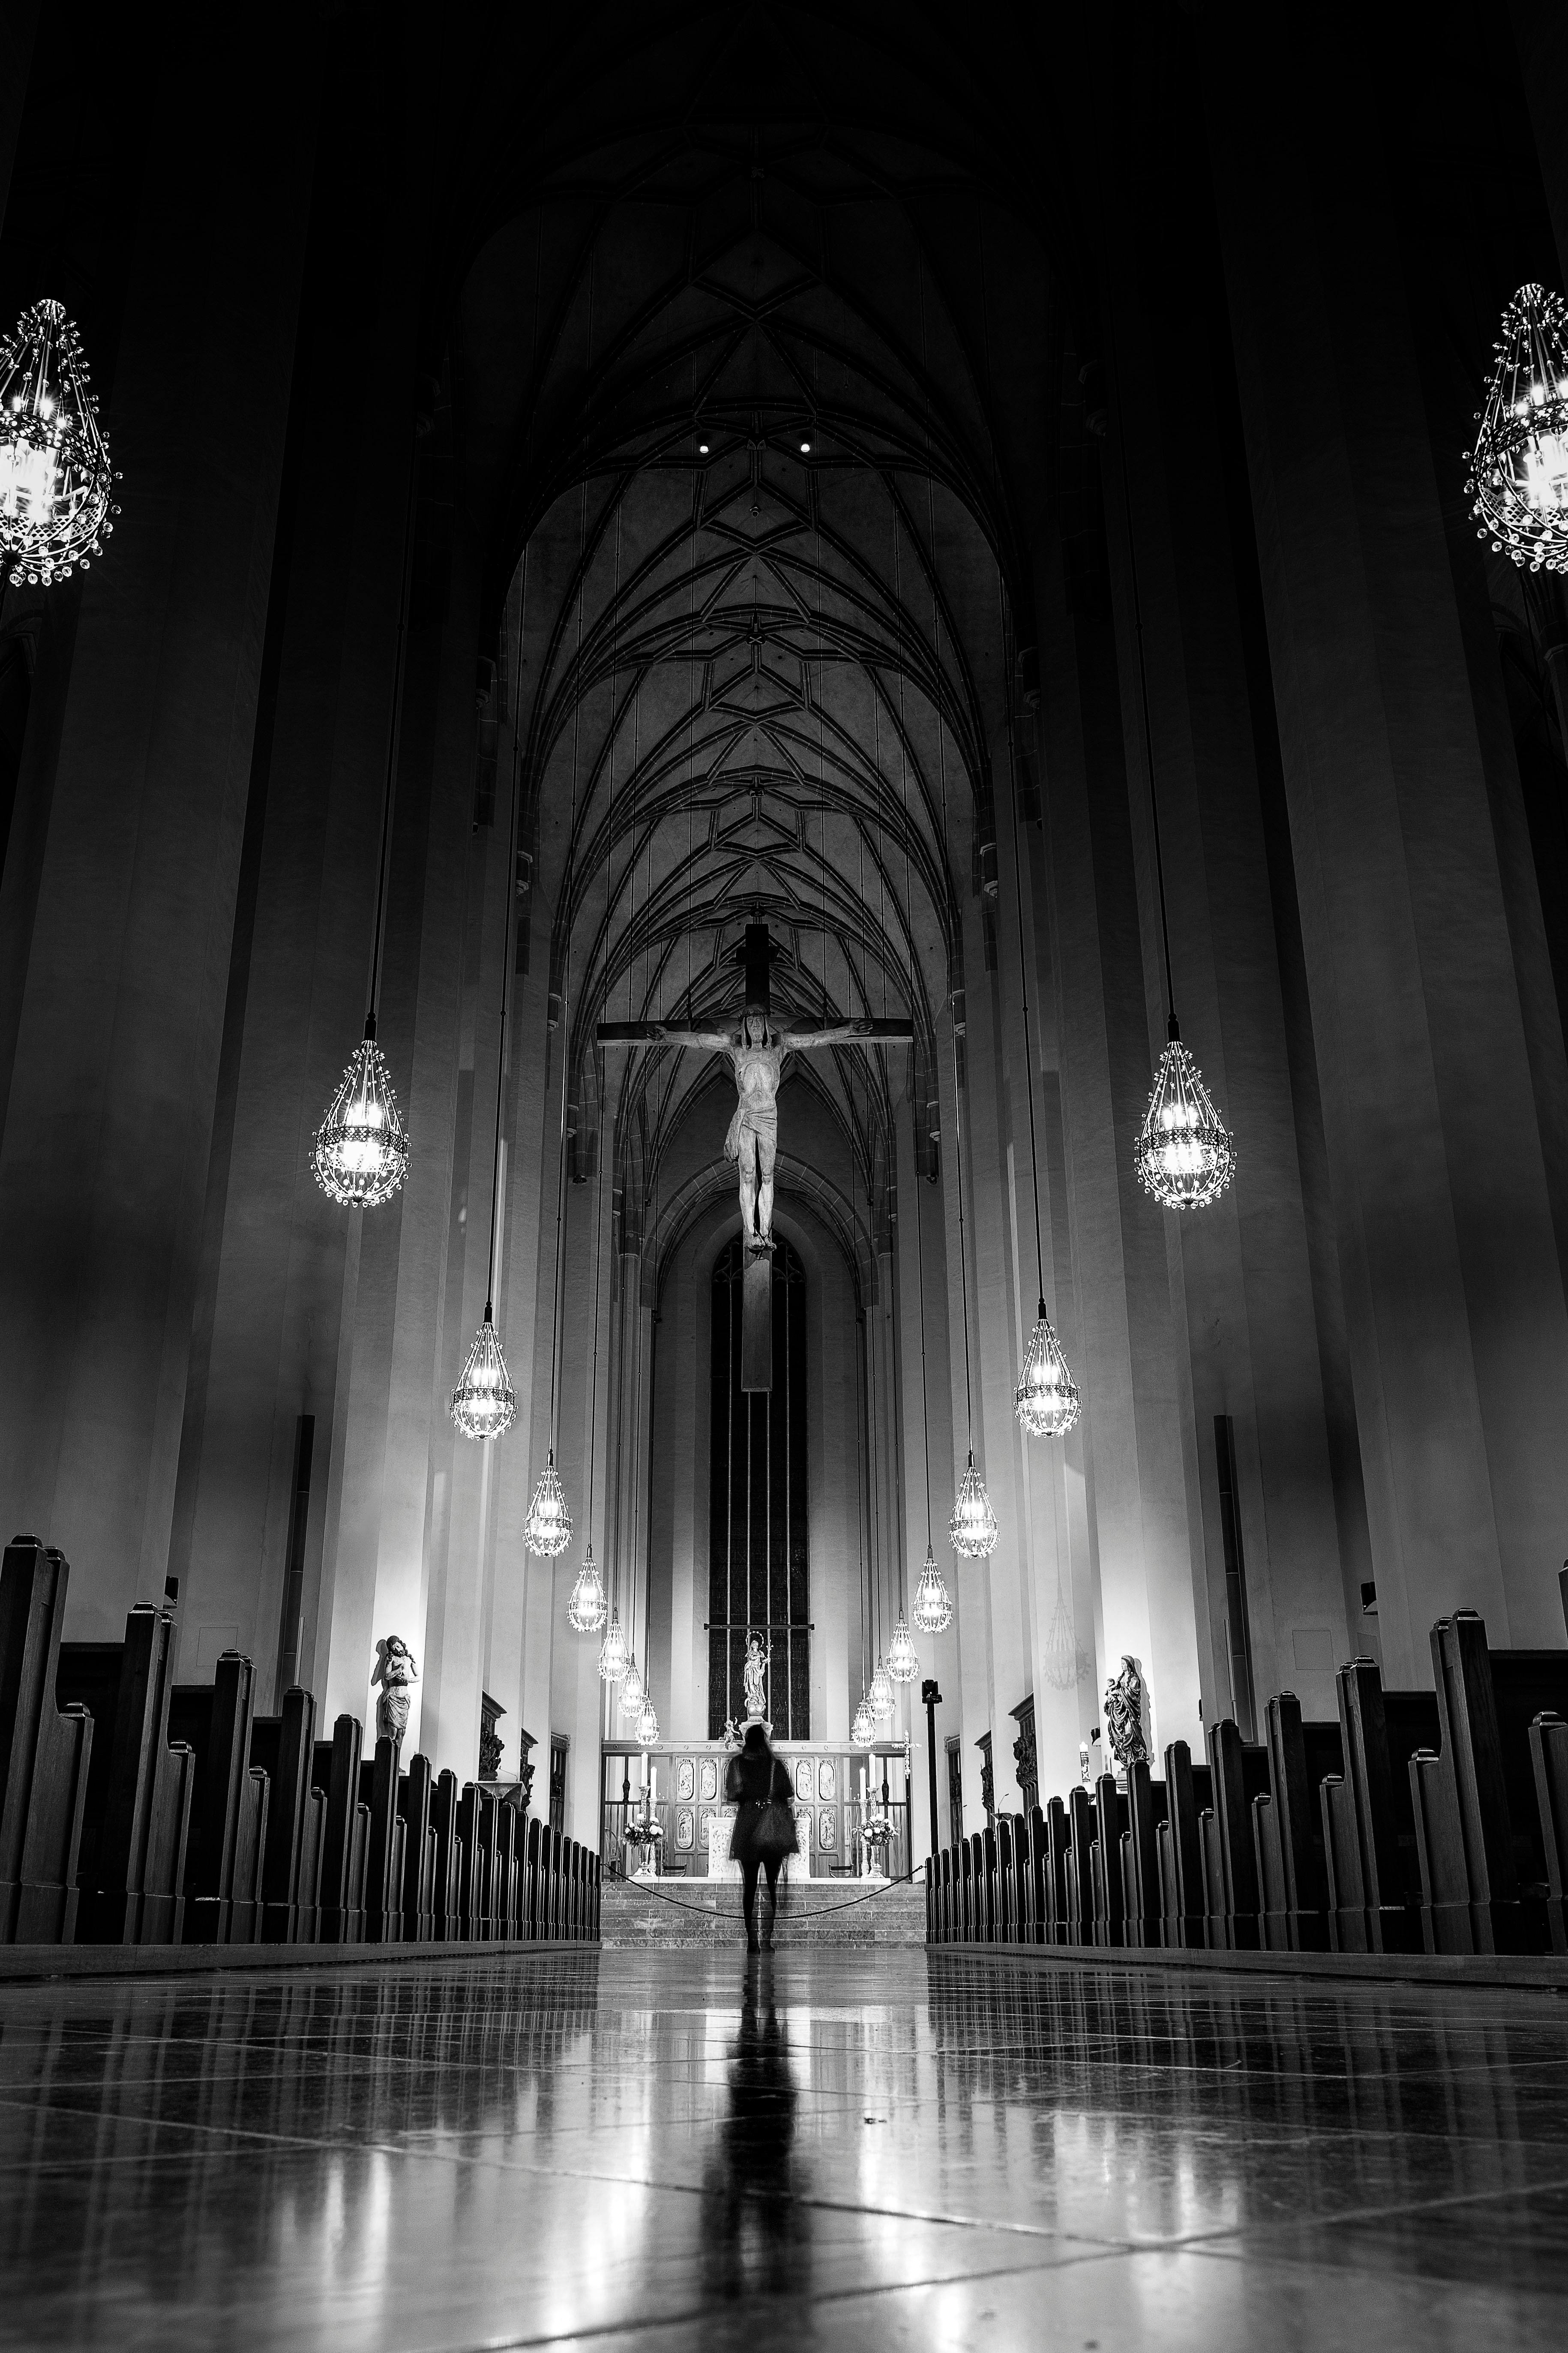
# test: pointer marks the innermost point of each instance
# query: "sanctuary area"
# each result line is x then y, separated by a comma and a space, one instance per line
783, 1175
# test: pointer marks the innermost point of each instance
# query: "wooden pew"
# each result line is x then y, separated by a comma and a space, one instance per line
344, 1835
385, 1848
1108, 1884
1286, 1830
45, 1753
1472, 1841
224, 1862
1237, 1773
1184, 1903
1080, 1867
1033, 1926
530, 1881
1058, 1856
137, 1816
283, 1747
1369, 1881
1141, 1843
447, 1904
508, 1820
1549, 1752
413, 1792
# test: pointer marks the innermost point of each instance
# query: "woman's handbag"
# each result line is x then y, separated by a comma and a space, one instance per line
775, 1832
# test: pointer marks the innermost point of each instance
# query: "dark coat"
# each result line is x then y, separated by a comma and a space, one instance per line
753, 1780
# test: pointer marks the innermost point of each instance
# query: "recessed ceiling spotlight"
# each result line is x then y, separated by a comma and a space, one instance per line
805, 449
702, 449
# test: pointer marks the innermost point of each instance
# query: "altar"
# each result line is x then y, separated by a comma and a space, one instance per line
838, 1790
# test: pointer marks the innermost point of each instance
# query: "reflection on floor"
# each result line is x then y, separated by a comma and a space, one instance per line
839, 2148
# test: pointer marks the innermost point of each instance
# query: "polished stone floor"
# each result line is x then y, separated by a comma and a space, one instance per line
839, 2149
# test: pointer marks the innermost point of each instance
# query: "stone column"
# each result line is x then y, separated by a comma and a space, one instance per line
1457, 1332
119, 1031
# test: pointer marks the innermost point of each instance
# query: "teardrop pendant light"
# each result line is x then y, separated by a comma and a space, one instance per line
585, 1612
863, 1731
1519, 467
632, 1694
360, 1152
903, 1664
1047, 1395
56, 480
881, 1693
973, 1531
483, 1405
613, 1651
1183, 1156
933, 1612
647, 1725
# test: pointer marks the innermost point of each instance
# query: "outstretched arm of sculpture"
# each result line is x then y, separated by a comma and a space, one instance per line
663, 1033
847, 1033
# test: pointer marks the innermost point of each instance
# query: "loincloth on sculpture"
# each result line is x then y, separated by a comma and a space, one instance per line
758, 1120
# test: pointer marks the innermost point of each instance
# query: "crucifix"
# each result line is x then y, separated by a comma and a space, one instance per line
756, 1051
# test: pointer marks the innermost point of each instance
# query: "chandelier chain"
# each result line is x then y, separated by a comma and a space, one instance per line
1144, 685
394, 736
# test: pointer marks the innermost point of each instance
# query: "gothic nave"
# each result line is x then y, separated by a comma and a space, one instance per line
784, 1084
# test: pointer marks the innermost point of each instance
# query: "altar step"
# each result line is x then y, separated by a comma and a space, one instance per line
672, 1911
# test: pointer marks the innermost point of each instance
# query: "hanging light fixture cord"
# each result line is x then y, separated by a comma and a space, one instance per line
1144, 693
393, 738
507, 957
1024, 972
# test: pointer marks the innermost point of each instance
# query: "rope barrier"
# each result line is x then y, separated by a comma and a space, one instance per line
817, 1911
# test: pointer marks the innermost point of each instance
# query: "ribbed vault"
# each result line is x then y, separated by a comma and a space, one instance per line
727, 351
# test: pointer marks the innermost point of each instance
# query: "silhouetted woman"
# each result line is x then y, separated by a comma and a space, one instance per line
764, 1829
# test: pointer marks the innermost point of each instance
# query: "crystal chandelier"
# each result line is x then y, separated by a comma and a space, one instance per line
483, 1405
973, 1530
1046, 1395
933, 1612
55, 475
903, 1666
1185, 1158
1519, 467
361, 1151
632, 1694
613, 1651
647, 1725
586, 1611
863, 1731
547, 1531
881, 1694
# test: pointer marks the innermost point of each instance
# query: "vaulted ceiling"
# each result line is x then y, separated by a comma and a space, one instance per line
752, 320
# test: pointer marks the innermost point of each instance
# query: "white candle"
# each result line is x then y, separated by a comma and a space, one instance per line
653, 1782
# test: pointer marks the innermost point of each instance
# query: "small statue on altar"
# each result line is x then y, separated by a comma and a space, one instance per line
396, 1672
753, 1675
1124, 1717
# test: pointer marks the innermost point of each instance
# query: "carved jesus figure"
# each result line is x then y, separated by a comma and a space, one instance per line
757, 1052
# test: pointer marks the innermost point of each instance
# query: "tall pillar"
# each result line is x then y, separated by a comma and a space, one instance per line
1458, 1331
103, 1163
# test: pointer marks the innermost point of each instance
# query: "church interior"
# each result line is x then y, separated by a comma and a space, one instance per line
783, 991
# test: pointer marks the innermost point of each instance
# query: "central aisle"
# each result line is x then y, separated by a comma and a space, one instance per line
842, 2149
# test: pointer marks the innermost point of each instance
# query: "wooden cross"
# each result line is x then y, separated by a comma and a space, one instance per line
757, 1052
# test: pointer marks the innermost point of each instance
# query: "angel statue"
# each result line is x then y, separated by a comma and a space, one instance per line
395, 1671
1124, 1717
752, 1676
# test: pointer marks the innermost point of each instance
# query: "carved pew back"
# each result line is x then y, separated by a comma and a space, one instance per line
137, 1815
227, 1848
45, 1753
413, 1792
